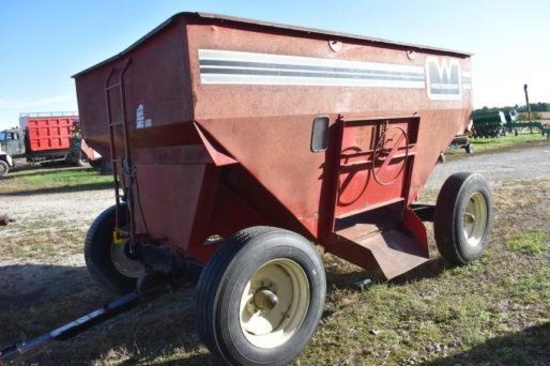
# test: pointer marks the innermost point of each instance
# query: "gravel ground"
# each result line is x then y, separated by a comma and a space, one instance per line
514, 165
42, 213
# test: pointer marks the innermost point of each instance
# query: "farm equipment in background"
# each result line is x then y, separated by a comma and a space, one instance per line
517, 127
238, 144
514, 124
489, 124
498, 123
45, 137
461, 141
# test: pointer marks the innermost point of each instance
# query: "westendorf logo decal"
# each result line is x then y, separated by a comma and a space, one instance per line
443, 78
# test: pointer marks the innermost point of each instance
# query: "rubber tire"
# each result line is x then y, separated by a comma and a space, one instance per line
448, 217
4, 168
222, 282
98, 255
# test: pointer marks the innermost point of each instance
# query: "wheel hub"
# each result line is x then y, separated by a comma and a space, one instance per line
265, 299
274, 303
124, 264
475, 219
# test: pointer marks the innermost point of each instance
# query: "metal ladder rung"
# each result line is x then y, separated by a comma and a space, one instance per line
114, 86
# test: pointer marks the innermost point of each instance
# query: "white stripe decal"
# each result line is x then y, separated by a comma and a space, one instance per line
466, 80
230, 67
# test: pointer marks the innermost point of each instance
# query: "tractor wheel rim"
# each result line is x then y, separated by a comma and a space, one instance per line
475, 219
123, 264
282, 286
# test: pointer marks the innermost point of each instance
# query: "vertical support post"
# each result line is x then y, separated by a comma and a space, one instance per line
528, 107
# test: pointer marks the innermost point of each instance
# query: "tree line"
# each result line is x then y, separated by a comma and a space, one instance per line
535, 107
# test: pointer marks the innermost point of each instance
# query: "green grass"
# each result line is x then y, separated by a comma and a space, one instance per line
534, 242
537, 282
45, 180
65, 177
483, 144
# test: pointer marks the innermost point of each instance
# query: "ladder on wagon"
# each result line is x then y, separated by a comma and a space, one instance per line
123, 167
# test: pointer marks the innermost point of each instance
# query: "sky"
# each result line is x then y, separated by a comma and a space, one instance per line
44, 42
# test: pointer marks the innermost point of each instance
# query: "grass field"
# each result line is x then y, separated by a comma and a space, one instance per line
507, 141
482, 145
35, 179
495, 311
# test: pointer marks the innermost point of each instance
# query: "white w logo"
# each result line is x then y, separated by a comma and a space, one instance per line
443, 78
445, 68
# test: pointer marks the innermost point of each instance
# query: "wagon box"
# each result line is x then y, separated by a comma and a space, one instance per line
237, 143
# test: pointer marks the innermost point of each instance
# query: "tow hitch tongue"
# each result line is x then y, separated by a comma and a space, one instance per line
150, 286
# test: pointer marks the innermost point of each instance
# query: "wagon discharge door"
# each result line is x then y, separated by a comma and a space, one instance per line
372, 226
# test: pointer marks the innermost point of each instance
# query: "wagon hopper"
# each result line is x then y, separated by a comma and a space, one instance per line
236, 144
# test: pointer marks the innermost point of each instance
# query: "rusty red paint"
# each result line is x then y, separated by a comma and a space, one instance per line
207, 145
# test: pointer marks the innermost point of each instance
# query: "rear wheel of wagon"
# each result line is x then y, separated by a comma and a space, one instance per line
260, 297
107, 262
463, 217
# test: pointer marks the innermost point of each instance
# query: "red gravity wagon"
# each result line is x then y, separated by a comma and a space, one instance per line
237, 144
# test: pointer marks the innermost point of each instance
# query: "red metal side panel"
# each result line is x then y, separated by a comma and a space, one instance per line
49, 133
157, 88
254, 92
175, 201
263, 114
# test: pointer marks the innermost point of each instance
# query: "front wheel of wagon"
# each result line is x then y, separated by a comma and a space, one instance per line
463, 218
107, 262
260, 297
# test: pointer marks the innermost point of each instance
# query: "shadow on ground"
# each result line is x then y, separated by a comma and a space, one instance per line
35, 299
531, 346
359, 279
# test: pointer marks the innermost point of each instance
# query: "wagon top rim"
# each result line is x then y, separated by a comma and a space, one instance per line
199, 17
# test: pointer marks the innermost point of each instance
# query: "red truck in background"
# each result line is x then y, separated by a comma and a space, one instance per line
43, 137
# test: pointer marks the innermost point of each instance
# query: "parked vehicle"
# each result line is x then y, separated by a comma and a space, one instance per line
43, 137
237, 144
280, 137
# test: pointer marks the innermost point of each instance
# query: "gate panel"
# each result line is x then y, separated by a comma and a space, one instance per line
376, 158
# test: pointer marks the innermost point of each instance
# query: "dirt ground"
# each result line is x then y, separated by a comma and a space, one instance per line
35, 278
30, 280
